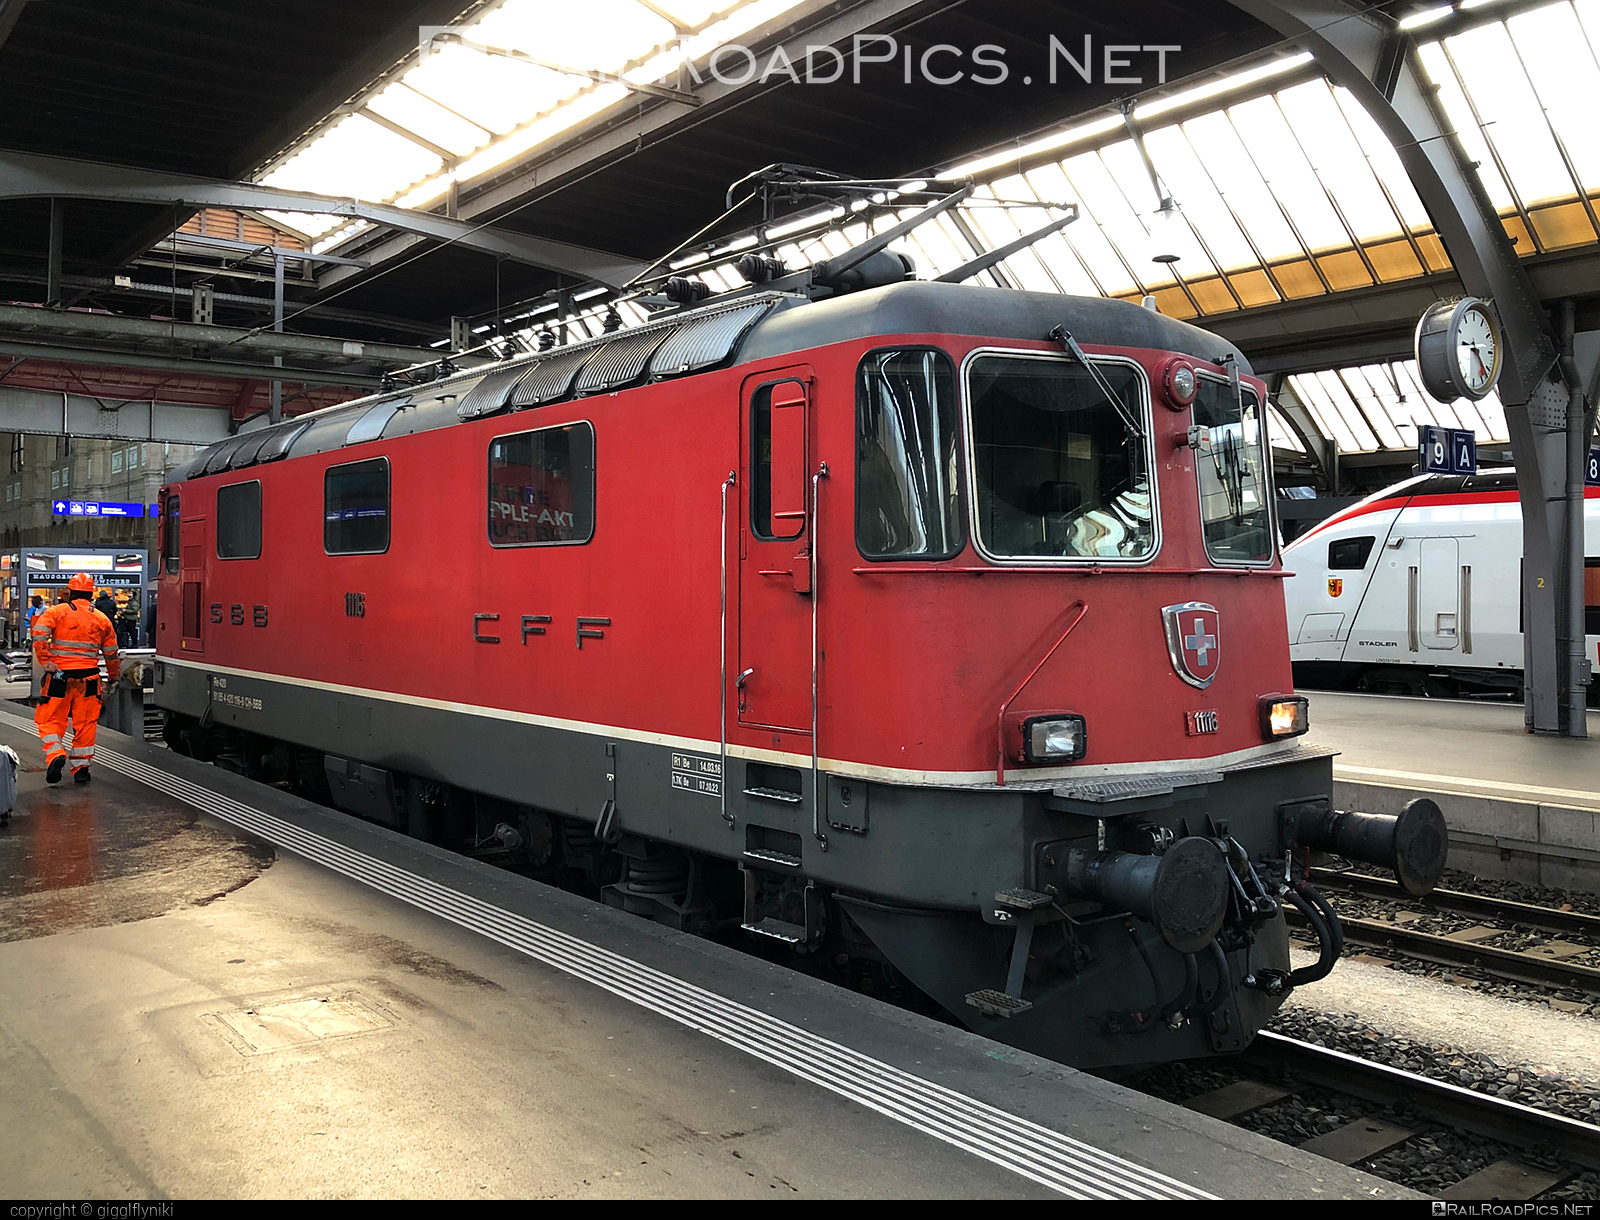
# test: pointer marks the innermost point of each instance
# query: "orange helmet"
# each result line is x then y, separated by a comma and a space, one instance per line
81, 583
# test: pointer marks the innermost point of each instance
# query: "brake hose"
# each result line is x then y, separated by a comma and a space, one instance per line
1325, 940
1219, 959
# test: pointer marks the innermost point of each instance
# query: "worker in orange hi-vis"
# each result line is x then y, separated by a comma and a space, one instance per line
68, 641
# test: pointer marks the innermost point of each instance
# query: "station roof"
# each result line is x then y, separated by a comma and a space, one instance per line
1287, 199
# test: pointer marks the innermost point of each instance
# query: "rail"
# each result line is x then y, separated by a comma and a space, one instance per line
1546, 919
1510, 964
1463, 1109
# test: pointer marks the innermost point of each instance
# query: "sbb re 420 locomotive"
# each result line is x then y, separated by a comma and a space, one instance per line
934, 631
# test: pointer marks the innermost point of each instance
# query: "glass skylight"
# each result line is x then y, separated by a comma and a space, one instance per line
464, 111
1380, 406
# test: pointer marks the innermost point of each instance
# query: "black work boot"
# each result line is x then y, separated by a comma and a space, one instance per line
53, 774
81, 775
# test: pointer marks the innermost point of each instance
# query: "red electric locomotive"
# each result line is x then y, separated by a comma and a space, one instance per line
930, 629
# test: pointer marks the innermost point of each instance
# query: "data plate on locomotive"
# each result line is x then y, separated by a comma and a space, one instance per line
697, 773
1199, 724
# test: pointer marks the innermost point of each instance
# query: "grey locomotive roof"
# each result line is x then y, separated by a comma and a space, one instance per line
746, 328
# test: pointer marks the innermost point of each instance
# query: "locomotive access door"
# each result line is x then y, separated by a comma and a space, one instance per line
773, 682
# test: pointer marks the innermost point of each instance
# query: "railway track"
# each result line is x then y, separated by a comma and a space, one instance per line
1532, 1150
1451, 1105
1458, 902
1464, 948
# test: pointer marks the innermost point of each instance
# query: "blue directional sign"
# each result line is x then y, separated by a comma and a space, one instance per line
1447, 450
95, 508
1591, 470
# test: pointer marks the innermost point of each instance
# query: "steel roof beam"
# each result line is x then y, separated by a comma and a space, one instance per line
30, 322
54, 413
1365, 51
199, 365
30, 176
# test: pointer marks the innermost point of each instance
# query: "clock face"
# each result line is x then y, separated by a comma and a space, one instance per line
1476, 352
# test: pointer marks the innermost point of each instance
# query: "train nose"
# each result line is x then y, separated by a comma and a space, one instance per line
1414, 842
1183, 892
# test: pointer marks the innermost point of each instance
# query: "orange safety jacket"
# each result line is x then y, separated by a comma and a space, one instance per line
72, 637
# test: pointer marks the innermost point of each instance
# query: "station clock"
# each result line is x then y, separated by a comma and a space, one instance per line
1458, 349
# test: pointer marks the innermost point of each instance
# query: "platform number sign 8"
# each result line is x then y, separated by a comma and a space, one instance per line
1591, 469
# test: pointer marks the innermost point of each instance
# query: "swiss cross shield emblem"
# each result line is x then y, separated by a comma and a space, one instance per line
1194, 641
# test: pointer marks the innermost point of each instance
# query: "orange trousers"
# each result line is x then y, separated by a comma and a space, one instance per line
52, 715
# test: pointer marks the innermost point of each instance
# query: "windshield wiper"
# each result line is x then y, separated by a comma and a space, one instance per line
1064, 337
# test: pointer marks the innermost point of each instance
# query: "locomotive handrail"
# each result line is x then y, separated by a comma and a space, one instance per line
1000, 756
722, 683
816, 538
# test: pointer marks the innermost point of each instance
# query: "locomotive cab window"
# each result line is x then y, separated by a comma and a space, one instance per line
1350, 554
1059, 469
1235, 498
170, 529
541, 487
239, 521
355, 508
908, 485
778, 489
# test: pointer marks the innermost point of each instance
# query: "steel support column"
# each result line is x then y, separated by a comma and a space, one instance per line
52, 272
1365, 52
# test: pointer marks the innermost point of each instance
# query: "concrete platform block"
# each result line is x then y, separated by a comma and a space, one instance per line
1567, 827
1580, 875
1479, 814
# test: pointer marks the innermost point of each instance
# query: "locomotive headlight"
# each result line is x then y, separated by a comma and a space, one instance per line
1179, 383
1054, 738
1284, 715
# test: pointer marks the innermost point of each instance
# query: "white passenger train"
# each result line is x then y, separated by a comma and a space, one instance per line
1415, 590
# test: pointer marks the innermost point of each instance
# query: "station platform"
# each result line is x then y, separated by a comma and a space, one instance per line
1519, 806
214, 989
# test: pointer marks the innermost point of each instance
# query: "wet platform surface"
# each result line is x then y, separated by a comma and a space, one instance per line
109, 852
187, 1013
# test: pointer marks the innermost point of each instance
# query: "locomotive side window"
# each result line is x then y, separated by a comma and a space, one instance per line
778, 460
1235, 500
170, 533
1349, 554
1057, 470
355, 508
908, 484
239, 521
541, 487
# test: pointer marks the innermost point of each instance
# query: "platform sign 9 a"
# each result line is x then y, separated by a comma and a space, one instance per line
1446, 450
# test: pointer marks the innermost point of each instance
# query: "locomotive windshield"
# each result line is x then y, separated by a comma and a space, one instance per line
908, 487
1235, 504
1058, 472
